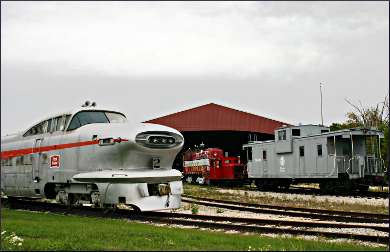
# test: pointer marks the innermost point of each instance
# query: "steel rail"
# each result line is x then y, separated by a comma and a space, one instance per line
367, 194
262, 221
273, 230
311, 210
315, 191
182, 219
289, 211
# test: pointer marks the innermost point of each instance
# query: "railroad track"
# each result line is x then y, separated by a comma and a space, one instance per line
330, 215
355, 194
213, 222
315, 191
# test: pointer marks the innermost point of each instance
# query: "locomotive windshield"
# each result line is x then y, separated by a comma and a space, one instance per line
87, 117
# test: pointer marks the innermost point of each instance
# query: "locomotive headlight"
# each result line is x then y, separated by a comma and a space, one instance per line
159, 139
106, 141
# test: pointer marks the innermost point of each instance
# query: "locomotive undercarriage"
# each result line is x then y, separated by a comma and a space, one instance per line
139, 196
73, 194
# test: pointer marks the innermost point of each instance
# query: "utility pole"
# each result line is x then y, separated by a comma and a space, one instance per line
322, 118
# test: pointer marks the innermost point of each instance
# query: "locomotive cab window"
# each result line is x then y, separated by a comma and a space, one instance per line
115, 117
60, 123
67, 118
54, 124
37, 129
88, 117
48, 128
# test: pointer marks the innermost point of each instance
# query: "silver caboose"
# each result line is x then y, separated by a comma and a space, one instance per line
338, 160
94, 155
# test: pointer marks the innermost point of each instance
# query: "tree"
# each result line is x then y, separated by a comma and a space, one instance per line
369, 117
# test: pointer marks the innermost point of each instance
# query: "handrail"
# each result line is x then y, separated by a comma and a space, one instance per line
371, 164
334, 167
349, 166
374, 164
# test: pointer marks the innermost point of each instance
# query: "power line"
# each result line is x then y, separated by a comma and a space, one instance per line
322, 118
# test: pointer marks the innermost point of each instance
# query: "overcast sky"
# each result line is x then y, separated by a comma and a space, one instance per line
150, 59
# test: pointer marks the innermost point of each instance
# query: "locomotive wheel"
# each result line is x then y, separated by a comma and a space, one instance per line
50, 191
71, 200
189, 179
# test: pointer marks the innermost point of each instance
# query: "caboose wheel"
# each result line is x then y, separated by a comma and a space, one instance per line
284, 187
363, 188
326, 187
261, 186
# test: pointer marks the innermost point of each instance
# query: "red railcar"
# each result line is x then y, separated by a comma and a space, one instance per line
211, 166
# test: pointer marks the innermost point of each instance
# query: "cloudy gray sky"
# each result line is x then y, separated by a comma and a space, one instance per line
154, 58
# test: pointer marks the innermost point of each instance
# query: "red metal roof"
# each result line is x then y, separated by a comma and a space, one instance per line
214, 117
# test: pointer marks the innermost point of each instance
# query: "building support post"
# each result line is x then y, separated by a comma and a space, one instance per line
335, 152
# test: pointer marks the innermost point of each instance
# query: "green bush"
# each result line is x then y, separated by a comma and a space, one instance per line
194, 209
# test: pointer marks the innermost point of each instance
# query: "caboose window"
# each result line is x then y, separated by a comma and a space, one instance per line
319, 150
282, 135
264, 155
296, 132
301, 151
249, 153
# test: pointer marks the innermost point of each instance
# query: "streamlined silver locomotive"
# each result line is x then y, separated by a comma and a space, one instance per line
93, 155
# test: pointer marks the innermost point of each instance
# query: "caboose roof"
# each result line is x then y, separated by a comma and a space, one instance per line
352, 131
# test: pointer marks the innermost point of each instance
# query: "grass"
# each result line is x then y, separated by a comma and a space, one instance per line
292, 201
47, 231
